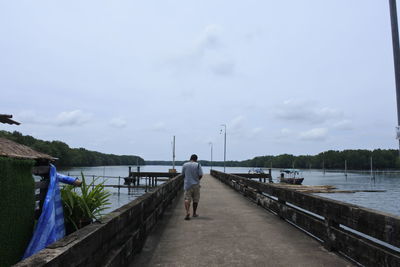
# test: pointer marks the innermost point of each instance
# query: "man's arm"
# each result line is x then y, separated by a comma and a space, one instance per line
183, 170
200, 172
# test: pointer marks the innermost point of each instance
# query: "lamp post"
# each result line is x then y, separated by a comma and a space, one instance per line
211, 163
224, 145
396, 59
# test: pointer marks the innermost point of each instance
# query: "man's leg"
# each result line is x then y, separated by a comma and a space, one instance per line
195, 208
196, 199
188, 199
187, 207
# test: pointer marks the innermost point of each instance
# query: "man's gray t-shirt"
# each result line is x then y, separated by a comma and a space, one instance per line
191, 172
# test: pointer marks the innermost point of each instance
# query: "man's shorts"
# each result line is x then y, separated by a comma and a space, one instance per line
193, 193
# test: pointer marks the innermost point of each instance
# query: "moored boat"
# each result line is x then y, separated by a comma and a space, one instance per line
291, 176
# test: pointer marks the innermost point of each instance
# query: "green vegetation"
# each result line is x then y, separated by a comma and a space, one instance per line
82, 208
71, 156
383, 159
17, 212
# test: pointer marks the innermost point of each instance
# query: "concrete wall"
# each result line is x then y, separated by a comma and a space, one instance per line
369, 237
116, 239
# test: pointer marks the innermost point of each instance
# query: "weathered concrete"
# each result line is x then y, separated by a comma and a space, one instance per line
354, 231
114, 241
231, 231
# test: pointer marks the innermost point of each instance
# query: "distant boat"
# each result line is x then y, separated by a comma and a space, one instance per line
256, 171
290, 176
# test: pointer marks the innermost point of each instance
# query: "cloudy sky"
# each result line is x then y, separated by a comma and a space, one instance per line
124, 77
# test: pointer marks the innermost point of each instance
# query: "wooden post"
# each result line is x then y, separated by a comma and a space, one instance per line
119, 183
270, 174
138, 175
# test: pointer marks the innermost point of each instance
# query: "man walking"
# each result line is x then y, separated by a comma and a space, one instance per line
192, 173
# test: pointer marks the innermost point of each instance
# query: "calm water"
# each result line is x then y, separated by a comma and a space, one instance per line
388, 201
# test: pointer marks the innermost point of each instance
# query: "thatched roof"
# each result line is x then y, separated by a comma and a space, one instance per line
11, 149
4, 118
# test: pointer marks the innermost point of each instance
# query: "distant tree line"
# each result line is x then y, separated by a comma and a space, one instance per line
359, 159
68, 157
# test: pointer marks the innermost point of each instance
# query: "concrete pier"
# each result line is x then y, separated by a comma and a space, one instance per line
230, 231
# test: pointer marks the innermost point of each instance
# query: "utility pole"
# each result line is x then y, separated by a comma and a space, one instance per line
396, 60
211, 154
173, 154
224, 146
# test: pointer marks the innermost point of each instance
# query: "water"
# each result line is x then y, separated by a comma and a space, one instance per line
382, 201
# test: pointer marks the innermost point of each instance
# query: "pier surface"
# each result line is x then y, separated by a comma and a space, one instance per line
230, 231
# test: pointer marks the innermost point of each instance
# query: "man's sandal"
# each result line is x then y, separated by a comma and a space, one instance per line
187, 218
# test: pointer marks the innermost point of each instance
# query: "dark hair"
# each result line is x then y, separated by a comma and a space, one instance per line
193, 157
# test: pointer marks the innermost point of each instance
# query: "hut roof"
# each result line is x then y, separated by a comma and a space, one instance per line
11, 149
4, 118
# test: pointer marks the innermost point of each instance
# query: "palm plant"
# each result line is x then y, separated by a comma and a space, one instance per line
82, 208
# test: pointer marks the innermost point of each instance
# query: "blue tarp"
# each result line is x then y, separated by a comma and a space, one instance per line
50, 226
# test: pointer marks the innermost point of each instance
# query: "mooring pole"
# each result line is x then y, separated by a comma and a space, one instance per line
396, 60
119, 182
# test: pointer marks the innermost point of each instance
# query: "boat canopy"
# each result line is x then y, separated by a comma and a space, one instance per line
292, 171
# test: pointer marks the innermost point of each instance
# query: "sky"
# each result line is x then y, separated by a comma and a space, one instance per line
124, 77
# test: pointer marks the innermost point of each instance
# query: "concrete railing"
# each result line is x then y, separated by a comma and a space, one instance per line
368, 237
114, 241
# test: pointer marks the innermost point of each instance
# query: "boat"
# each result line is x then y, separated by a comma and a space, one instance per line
256, 171
290, 176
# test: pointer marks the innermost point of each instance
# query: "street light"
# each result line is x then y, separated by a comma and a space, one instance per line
224, 145
396, 59
211, 144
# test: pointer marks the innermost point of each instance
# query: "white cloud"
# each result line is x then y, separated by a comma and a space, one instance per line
316, 134
305, 111
159, 127
286, 131
205, 54
343, 125
209, 38
224, 68
118, 122
237, 123
255, 132
187, 94
72, 118
29, 117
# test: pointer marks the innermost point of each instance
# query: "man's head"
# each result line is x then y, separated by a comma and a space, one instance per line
193, 157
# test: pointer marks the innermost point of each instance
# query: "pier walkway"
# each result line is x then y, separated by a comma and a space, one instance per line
230, 231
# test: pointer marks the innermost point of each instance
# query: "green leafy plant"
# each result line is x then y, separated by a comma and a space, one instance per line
82, 208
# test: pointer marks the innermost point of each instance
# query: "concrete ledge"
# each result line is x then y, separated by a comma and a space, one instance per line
116, 239
369, 237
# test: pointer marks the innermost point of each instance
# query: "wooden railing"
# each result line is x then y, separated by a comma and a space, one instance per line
368, 237
116, 239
